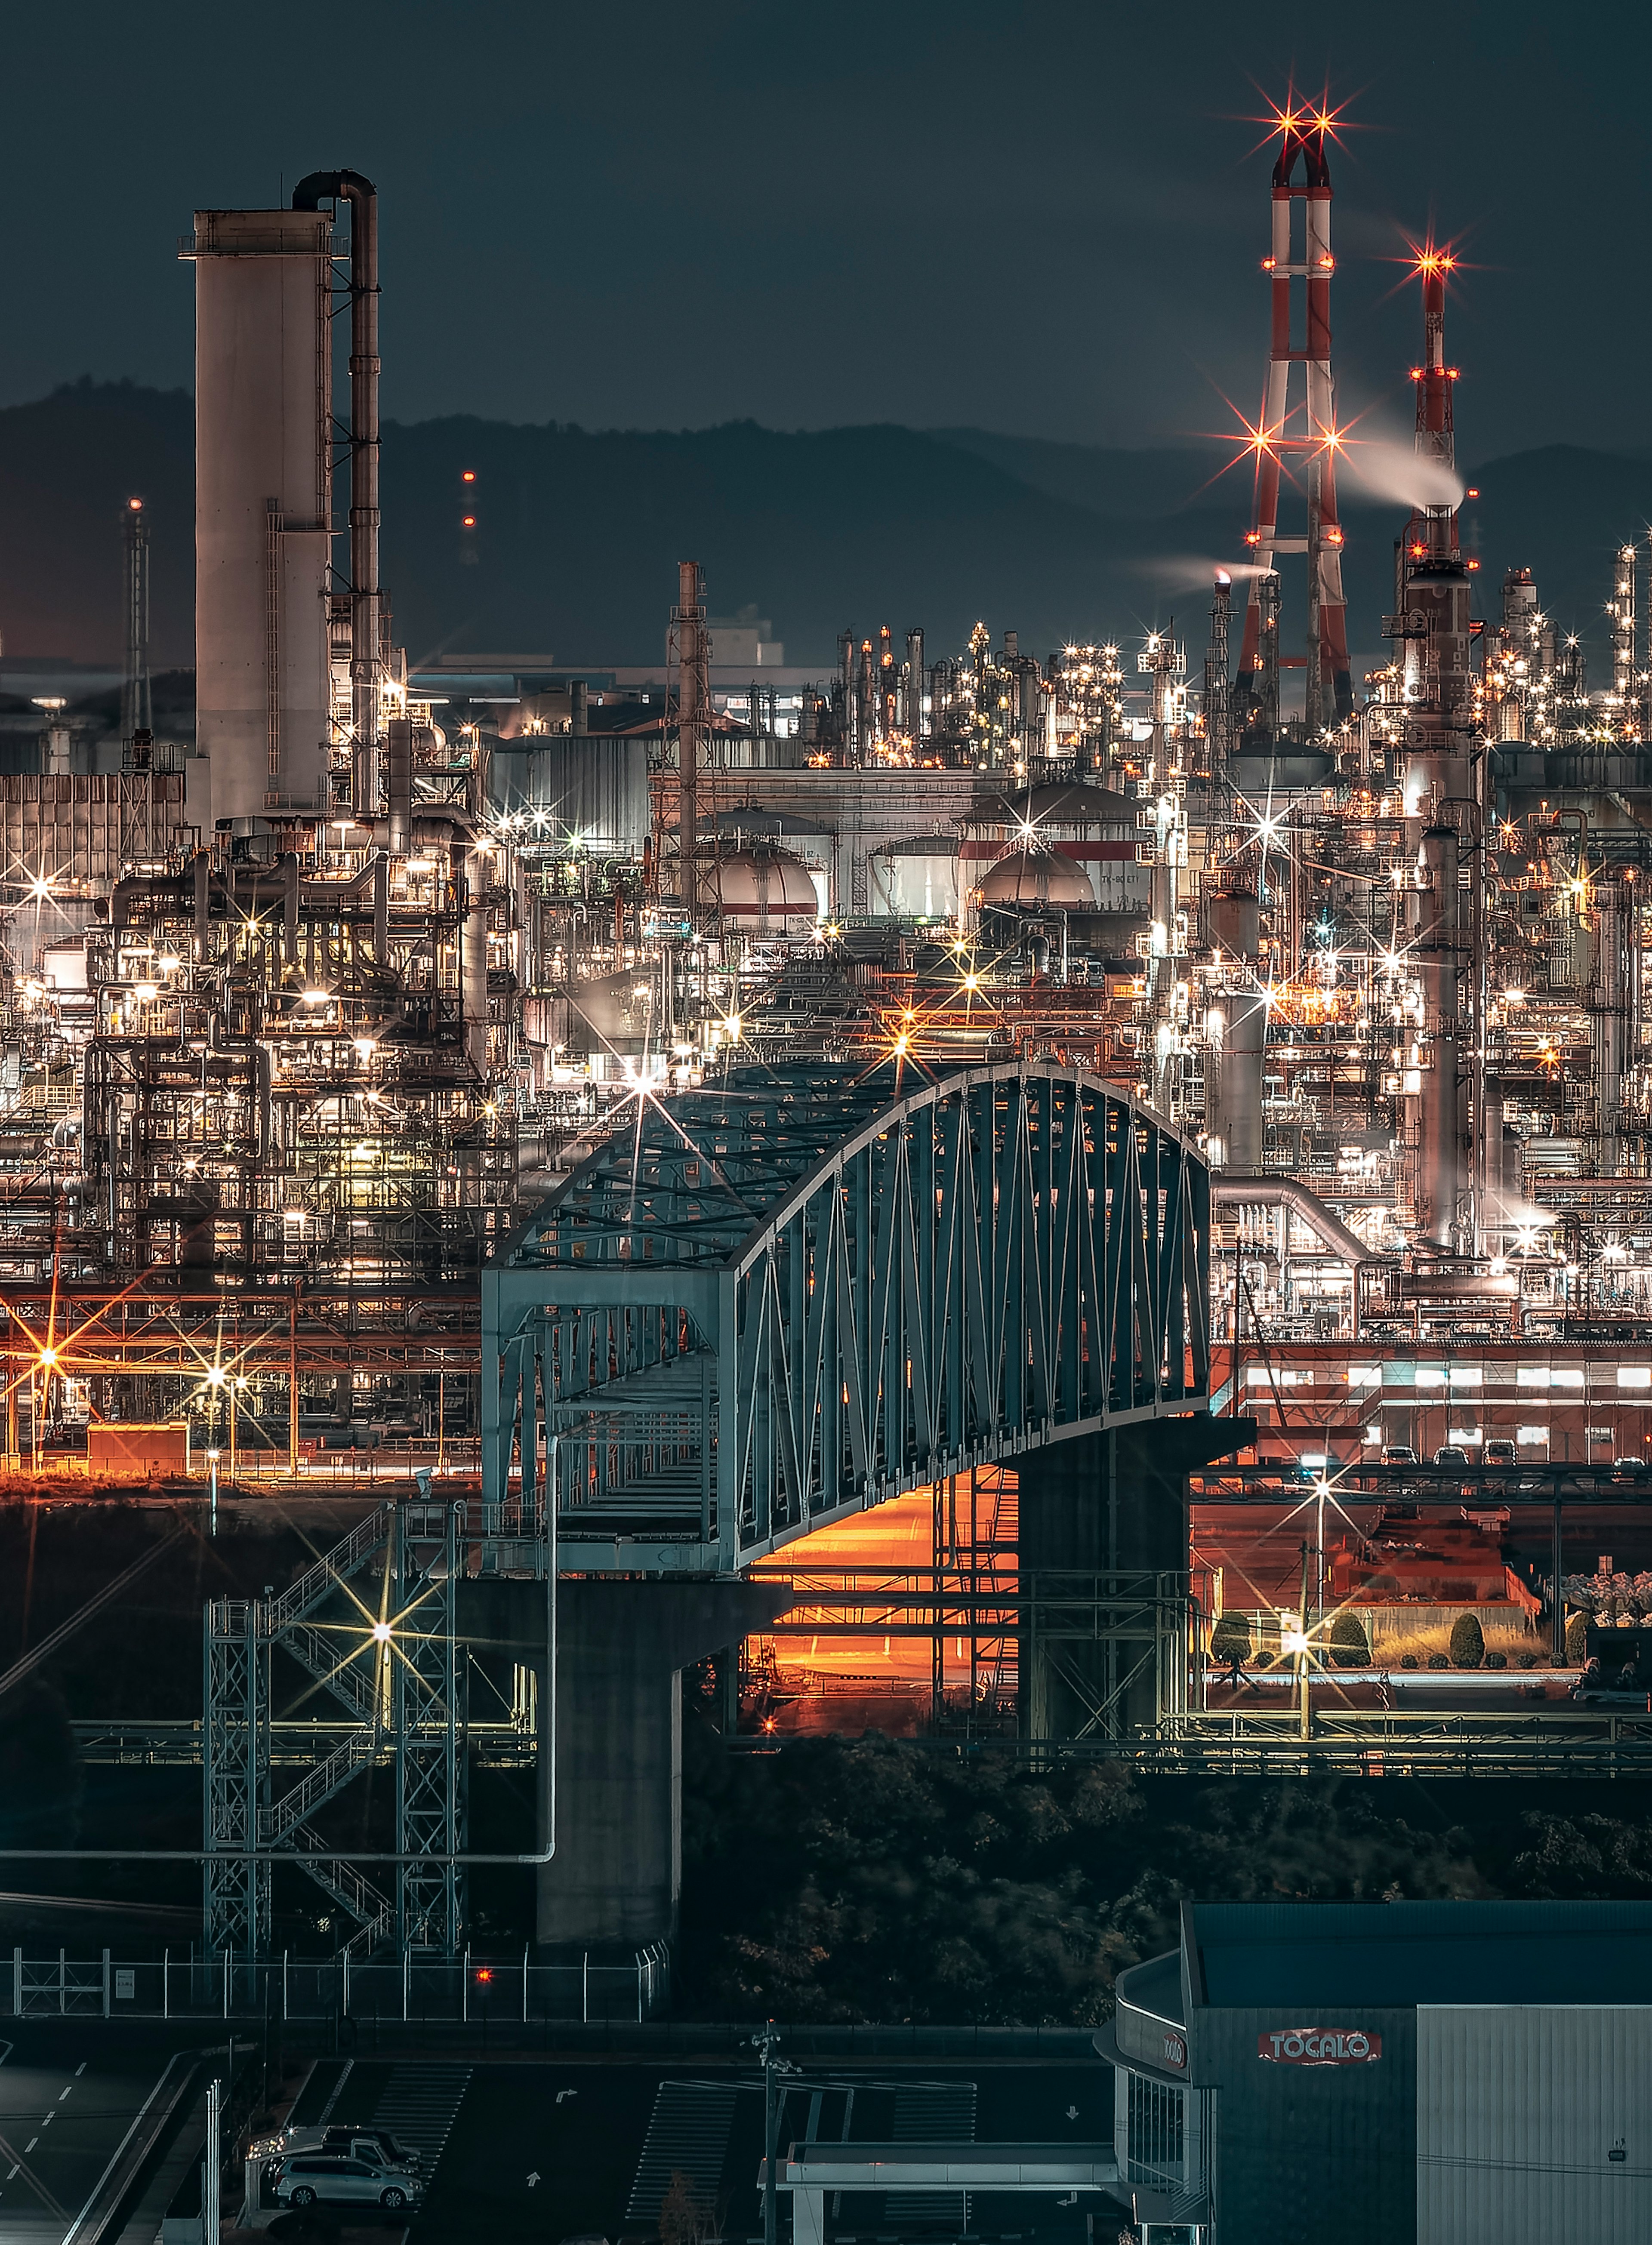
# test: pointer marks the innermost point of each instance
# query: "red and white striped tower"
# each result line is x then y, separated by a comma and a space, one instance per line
1436, 439
1305, 427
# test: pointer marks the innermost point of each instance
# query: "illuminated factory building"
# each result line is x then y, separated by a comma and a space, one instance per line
302, 1023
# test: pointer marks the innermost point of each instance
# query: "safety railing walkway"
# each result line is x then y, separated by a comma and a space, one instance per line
434, 1992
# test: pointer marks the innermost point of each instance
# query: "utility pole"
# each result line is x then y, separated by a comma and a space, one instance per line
766, 2042
211, 2172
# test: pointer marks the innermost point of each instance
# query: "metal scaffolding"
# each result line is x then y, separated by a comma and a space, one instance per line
390, 1662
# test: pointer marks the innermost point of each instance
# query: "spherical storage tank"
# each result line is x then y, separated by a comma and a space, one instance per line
1036, 880
768, 890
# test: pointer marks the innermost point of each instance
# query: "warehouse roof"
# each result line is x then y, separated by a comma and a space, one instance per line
1397, 1953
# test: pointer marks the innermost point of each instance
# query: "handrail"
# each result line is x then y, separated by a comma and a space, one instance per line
277, 1822
342, 1560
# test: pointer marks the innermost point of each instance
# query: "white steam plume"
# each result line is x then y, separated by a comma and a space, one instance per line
1180, 570
1394, 471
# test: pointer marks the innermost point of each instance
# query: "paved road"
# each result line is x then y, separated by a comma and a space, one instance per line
60, 2124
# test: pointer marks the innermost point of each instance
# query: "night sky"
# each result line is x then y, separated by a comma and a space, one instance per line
1042, 220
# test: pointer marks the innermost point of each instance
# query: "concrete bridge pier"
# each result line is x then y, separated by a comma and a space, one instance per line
622, 1646
1100, 1516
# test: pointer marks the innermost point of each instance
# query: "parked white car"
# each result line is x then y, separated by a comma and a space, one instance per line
330, 2179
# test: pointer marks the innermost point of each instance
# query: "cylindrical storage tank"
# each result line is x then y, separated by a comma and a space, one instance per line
1037, 880
262, 405
915, 877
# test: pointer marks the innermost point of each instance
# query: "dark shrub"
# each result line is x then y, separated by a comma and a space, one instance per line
1350, 1647
1468, 1642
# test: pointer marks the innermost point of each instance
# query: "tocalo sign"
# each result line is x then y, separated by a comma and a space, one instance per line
1319, 2046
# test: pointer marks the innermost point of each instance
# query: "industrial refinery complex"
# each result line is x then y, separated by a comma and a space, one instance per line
1096, 1197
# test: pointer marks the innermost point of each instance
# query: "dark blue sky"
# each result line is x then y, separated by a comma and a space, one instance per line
1043, 220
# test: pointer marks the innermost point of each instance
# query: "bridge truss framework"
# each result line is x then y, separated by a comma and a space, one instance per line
764, 1305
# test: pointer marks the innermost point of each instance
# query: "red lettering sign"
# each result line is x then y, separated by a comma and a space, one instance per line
1175, 2051
1319, 2046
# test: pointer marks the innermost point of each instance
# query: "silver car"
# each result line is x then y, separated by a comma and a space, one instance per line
329, 2179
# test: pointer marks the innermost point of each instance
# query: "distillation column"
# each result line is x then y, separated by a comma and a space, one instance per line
1236, 1029
1167, 920
1440, 784
1442, 827
1613, 1009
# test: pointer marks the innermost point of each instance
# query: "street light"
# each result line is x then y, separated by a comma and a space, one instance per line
766, 2042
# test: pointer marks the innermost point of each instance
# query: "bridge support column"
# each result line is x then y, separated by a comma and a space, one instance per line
1103, 1523
622, 1648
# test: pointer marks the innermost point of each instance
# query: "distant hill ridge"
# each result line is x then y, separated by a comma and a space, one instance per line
579, 532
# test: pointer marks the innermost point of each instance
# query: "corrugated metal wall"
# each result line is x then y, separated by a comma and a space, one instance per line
595, 786
1305, 2154
1519, 2110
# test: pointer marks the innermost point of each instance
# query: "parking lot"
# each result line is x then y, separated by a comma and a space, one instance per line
549, 2151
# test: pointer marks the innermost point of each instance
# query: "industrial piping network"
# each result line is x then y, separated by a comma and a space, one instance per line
300, 997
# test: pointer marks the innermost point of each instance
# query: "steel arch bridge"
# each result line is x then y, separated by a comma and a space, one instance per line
761, 1305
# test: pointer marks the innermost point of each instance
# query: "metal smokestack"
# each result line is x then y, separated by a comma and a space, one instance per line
366, 651
917, 684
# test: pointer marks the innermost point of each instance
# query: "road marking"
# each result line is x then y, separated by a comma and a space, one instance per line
80, 2069
63, 2093
30, 2146
50, 2118
8, 2152
533, 2179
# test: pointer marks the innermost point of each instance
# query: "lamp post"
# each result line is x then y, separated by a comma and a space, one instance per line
766, 2042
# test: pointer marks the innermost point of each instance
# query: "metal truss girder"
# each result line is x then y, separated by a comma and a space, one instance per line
891, 1286
430, 1760
235, 1884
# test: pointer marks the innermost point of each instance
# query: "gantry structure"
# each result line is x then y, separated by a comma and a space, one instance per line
763, 1305
368, 1636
